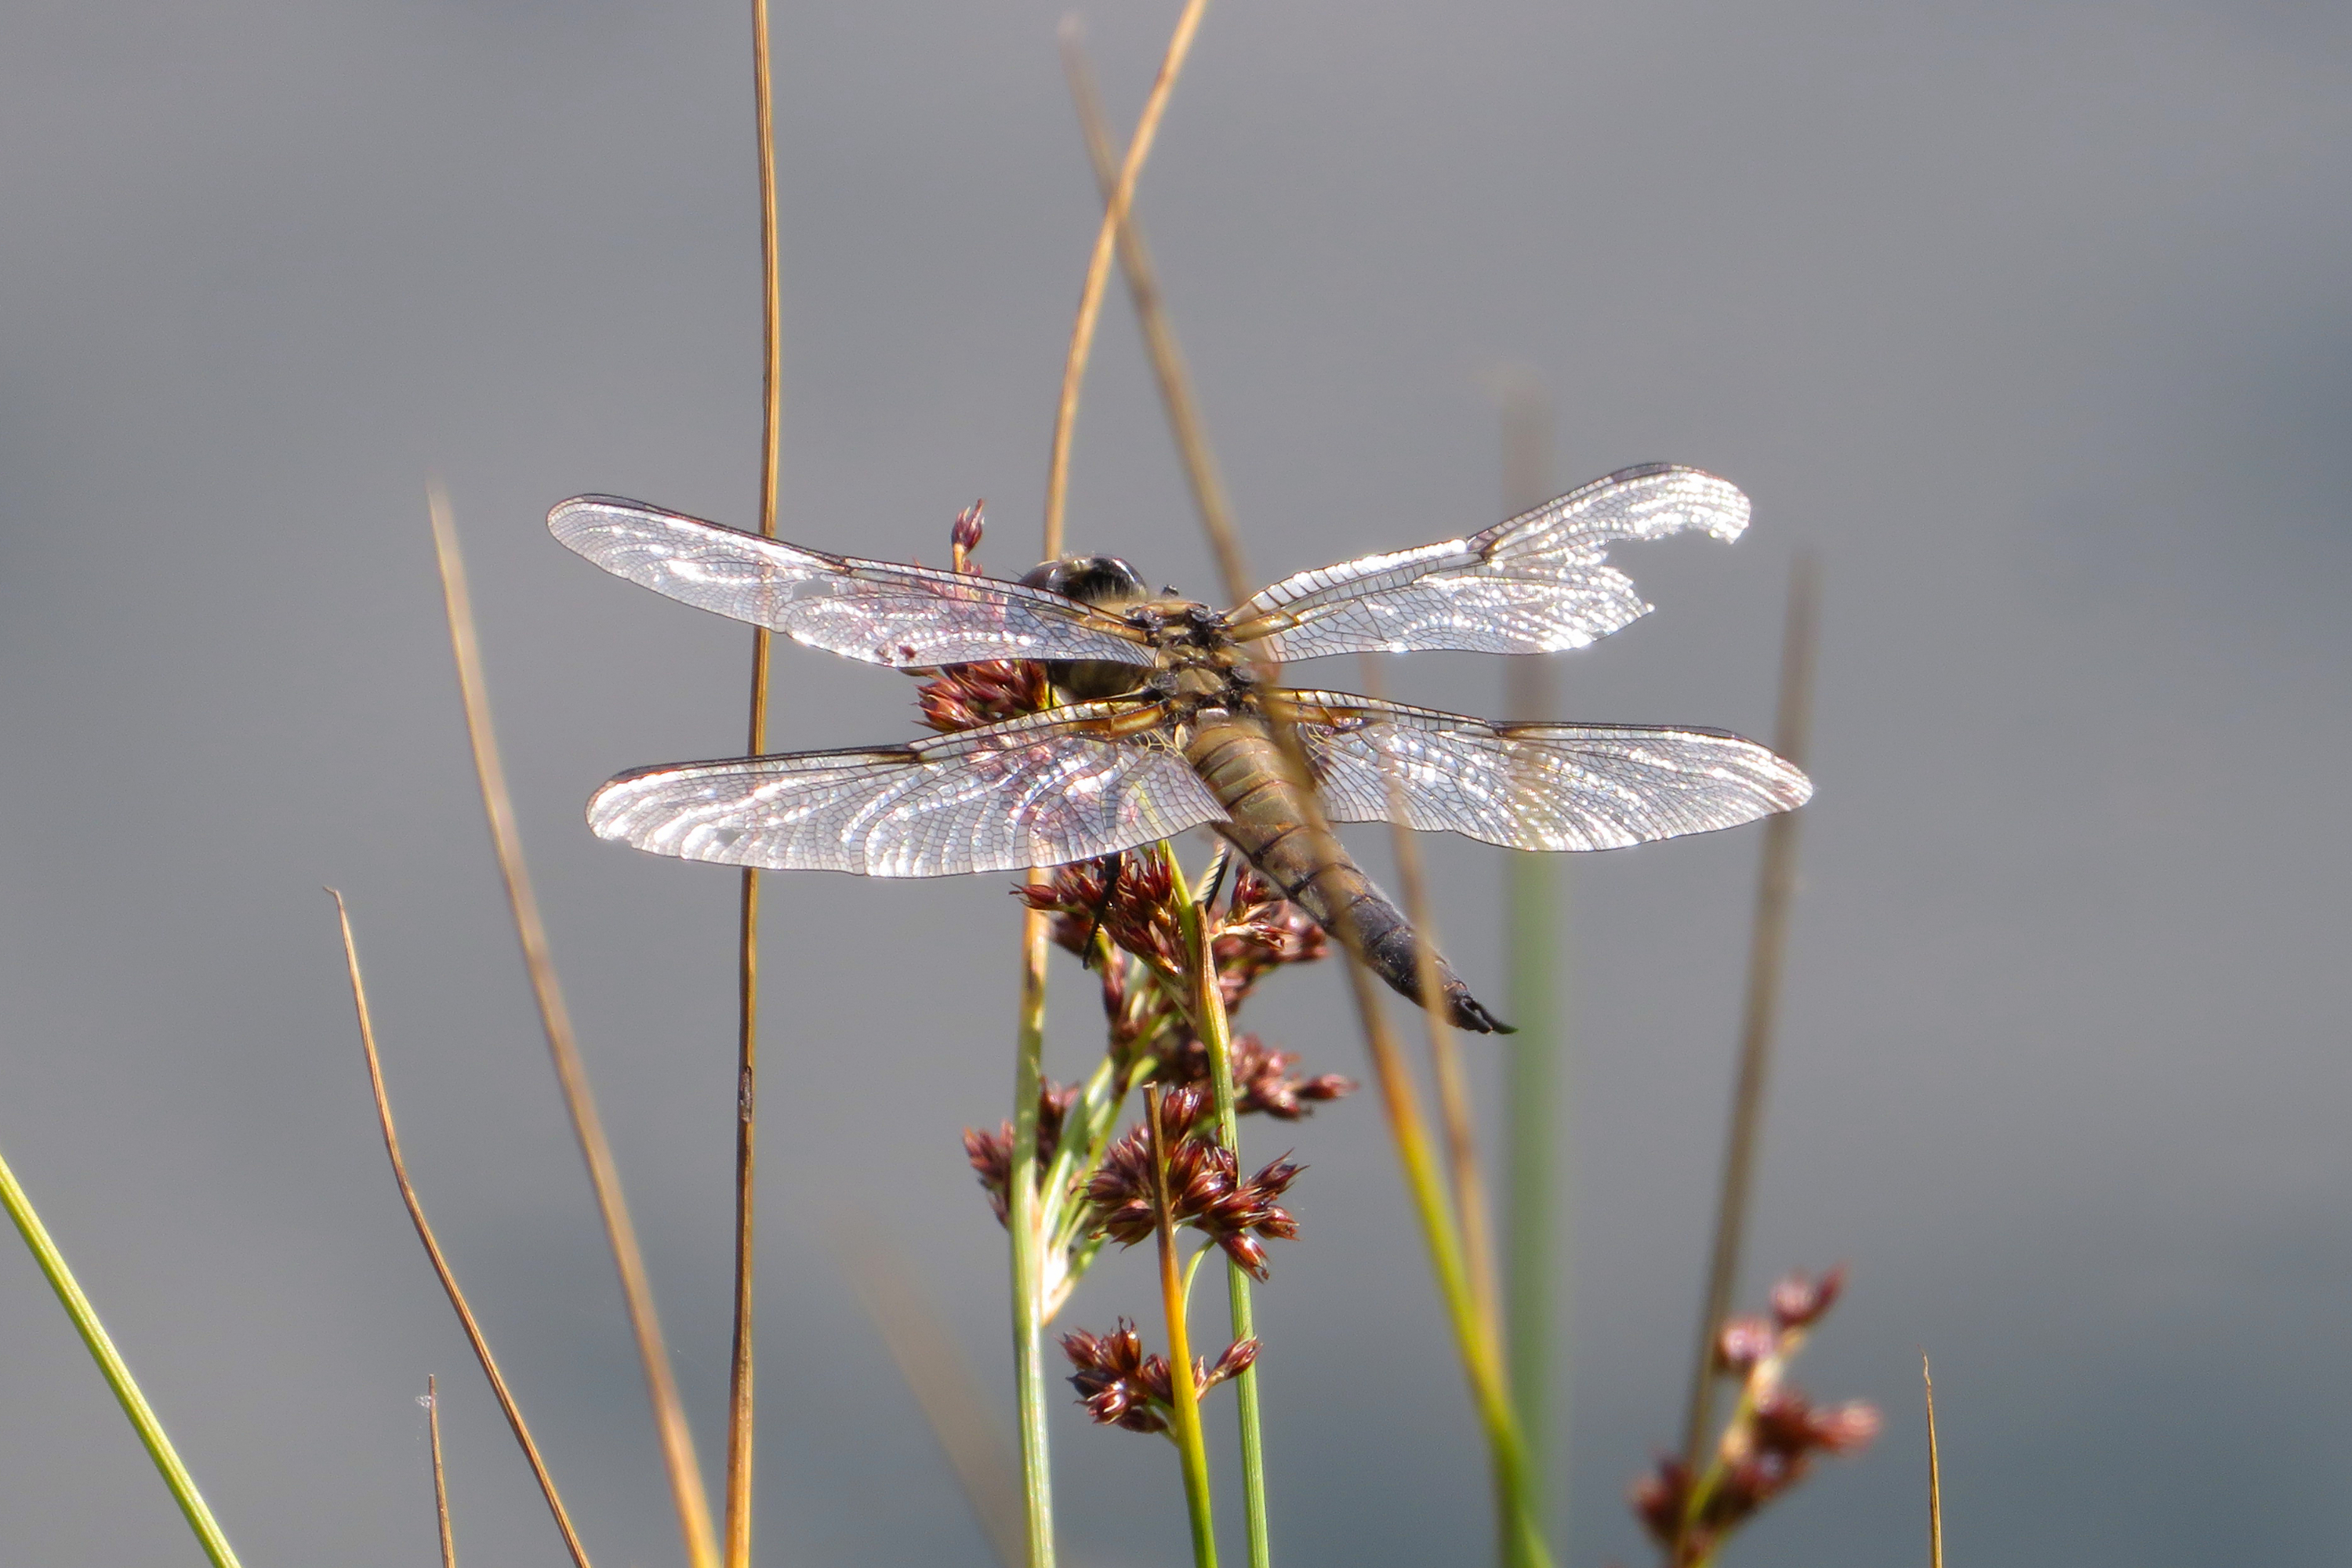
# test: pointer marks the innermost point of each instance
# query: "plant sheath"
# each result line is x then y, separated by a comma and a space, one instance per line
118, 1374
1189, 1442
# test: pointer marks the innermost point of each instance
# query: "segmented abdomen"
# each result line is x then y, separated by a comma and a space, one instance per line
1244, 768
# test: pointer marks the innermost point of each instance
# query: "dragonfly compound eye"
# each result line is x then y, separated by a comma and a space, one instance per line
1091, 579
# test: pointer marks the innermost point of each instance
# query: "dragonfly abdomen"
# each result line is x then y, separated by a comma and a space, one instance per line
1244, 768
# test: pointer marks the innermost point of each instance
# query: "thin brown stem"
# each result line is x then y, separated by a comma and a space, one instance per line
1184, 421
1934, 1475
741, 1399
942, 1381
440, 1479
1453, 1099
1082, 331
670, 1413
466, 1319
1776, 884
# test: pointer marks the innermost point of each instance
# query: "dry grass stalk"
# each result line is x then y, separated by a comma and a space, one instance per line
466, 1319
440, 1479
944, 1385
742, 1398
1082, 331
1184, 421
1934, 1475
1775, 887
670, 1413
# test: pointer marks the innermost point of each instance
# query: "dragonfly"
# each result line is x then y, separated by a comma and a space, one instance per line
1169, 716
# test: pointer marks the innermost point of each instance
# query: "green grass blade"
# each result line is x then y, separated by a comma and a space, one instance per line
118, 1376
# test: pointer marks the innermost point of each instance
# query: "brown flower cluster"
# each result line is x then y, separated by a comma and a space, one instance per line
1204, 1188
990, 1153
967, 696
1129, 897
1774, 1435
1121, 1386
1263, 1080
1262, 932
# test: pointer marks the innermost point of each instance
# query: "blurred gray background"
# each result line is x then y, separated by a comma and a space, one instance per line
2033, 318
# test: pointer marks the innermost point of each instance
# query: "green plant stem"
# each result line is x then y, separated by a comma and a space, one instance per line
1532, 1073
1518, 1534
1535, 1063
1024, 1219
118, 1376
1216, 1034
1190, 1443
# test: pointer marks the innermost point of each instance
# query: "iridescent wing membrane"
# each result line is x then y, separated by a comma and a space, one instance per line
1092, 779
1534, 787
1038, 791
1536, 583
879, 611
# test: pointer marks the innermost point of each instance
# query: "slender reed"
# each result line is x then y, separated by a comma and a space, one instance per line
1024, 1219
945, 1387
1455, 1104
1535, 1062
466, 1319
669, 1414
440, 1479
740, 1388
1776, 883
1518, 1534
94, 1337
1184, 421
1935, 1474
1216, 1033
1082, 331
1186, 1398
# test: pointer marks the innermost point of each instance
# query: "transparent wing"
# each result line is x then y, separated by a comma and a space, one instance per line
1038, 791
879, 611
1535, 786
1533, 585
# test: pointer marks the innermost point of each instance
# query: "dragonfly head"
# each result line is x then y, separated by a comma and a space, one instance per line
1093, 579
1104, 580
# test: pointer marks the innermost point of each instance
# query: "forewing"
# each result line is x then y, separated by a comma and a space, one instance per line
1536, 583
1038, 791
879, 611
1536, 786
